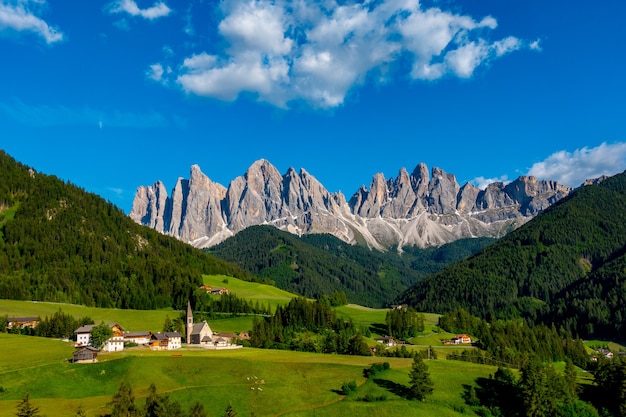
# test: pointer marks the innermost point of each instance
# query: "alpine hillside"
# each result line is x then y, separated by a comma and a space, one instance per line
61, 243
565, 267
320, 264
416, 209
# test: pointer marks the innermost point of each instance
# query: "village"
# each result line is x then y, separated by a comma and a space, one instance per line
196, 335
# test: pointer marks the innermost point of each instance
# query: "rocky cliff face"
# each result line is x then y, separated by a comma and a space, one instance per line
412, 209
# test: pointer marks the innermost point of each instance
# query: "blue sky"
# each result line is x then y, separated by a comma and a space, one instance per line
115, 94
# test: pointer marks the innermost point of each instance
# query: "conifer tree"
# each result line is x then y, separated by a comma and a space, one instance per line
197, 410
153, 403
570, 378
25, 408
123, 402
419, 377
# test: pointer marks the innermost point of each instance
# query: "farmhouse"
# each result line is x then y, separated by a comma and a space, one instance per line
85, 354
139, 338
22, 322
459, 339
214, 290
387, 340
83, 335
165, 341
602, 352
115, 343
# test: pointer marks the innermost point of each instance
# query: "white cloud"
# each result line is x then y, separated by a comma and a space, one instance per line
482, 182
158, 10
155, 72
535, 45
317, 52
18, 16
573, 168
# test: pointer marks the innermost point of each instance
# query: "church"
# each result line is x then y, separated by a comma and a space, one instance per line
200, 334
197, 333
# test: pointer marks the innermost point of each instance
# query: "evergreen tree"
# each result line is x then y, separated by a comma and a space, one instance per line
419, 378
123, 402
153, 405
570, 379
25, 408
534, 389
168, 325
197, 410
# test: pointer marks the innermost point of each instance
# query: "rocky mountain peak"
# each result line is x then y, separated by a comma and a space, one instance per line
411, 209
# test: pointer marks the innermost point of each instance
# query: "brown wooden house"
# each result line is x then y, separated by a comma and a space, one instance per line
85, 354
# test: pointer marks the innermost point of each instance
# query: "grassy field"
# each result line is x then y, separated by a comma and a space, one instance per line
133, 320
264, 294
292, 383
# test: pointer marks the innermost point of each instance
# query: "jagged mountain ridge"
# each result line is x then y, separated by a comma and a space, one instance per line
414, 209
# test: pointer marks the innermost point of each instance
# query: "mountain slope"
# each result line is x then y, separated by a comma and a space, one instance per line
60, 243
529, 270
414, 209
314, 265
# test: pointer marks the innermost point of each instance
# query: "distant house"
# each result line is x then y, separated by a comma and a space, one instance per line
174, 340
22, 322
85, 354
463, 339
139, 338
165, 341
387, 340
83, 335
201, 333
605, 353
214, 290
115, 343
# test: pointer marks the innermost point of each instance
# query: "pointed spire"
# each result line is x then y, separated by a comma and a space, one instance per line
189, 327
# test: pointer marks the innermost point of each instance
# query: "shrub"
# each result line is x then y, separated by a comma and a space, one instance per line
348, 387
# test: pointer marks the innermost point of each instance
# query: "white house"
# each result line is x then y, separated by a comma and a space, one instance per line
174, 340
114, 344
140, 338
165, 341
83, 335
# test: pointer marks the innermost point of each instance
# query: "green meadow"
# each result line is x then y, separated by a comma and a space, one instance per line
254, 381
291, 383
133, 320
254, 291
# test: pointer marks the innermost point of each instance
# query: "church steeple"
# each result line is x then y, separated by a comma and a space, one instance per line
189, 322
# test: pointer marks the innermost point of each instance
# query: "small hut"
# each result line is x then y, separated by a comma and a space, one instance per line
85, 354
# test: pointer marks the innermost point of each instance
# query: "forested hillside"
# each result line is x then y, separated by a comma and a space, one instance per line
566, 264
60, 243
313, 265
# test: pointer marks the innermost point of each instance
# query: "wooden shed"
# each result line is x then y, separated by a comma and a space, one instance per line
85, 354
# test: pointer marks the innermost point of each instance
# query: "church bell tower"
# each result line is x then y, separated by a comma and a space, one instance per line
189, 322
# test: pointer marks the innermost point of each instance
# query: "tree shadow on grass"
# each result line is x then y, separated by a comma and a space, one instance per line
394, 388
378, 328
